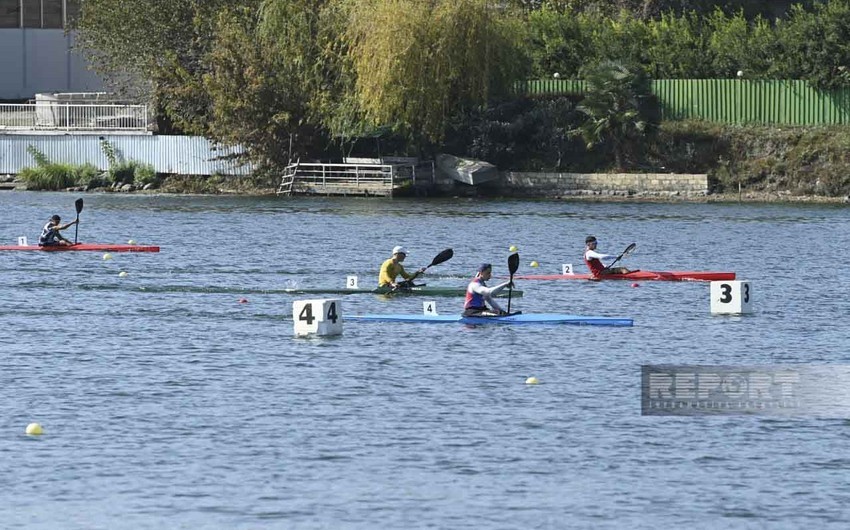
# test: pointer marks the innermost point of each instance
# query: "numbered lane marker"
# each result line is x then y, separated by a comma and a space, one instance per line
429, 308
351, 282
731, 298
567, 268
317, 317
22, 241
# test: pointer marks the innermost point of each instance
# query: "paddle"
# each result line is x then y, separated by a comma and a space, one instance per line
78, 204
626, 252
443, 256
513, 265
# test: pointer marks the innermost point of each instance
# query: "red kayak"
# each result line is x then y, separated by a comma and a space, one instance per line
101, 247
664, 276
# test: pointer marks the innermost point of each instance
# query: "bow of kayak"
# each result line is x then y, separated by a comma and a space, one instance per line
538, 318
664, 276
95, 247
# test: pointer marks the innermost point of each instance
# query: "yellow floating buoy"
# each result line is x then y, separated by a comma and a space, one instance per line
34, 429
107, 256
122, 274
531, 381
131, 242
534, 264
513, 248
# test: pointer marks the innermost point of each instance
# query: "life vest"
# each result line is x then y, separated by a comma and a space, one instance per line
48, 234
474, 300
596, 266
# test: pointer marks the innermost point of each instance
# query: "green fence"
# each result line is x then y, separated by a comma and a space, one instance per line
779, 102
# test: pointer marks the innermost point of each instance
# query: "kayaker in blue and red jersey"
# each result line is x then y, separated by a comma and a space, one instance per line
593, 259
50, 235
392, 269
479, 296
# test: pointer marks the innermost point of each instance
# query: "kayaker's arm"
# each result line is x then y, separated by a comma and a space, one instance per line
488, 293
592, 254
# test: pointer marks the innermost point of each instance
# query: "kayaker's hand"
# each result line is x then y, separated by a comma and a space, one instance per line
421, 271
502, 312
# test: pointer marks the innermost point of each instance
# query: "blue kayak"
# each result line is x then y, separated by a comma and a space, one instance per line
538, 318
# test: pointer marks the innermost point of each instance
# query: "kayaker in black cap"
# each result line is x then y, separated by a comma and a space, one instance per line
50, 233
593, 259
478, 295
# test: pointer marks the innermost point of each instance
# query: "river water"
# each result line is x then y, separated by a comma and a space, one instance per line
167, 403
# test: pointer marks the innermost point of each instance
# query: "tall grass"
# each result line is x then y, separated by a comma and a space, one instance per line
47, 175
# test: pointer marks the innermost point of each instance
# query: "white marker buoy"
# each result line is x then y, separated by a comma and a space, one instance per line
531, 381
731, 298
317, 317
107, 256
131, 242
122, 274
534, 264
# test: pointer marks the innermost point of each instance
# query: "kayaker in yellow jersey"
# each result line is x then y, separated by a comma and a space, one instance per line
392, 269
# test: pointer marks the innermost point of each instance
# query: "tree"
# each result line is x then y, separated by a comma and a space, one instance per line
614, 108
155, 49
417, 63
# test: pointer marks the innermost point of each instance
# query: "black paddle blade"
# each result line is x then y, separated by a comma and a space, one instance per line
629, 249
78, 204
513, 263
445, 255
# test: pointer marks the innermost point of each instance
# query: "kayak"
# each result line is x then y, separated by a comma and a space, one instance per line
665, 276
522, 318
414, 291
97, 247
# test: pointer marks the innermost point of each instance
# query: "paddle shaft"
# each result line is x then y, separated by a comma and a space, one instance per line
513, 265
628, 250
442, 257
78, 204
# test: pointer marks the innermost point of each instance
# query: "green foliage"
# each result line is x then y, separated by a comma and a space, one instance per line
815, 45
418, 64
677, 47
557, 43
520, 134
738, 44
47, 175
616, 114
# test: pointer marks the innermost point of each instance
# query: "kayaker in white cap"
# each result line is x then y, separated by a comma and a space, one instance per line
479, 296
392, 268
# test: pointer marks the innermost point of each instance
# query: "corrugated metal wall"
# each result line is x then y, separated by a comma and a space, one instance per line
779, 102
181, 155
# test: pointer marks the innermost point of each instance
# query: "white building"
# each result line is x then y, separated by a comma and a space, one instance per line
36, 55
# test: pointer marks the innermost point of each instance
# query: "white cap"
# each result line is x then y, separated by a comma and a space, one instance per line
399, 250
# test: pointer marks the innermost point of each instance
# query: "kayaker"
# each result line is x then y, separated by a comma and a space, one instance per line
593, 259
479, 296
50, 233
392, 269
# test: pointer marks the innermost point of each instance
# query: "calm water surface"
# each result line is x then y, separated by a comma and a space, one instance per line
166, 403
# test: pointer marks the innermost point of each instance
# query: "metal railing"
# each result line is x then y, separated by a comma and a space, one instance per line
53, 115
330, 178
